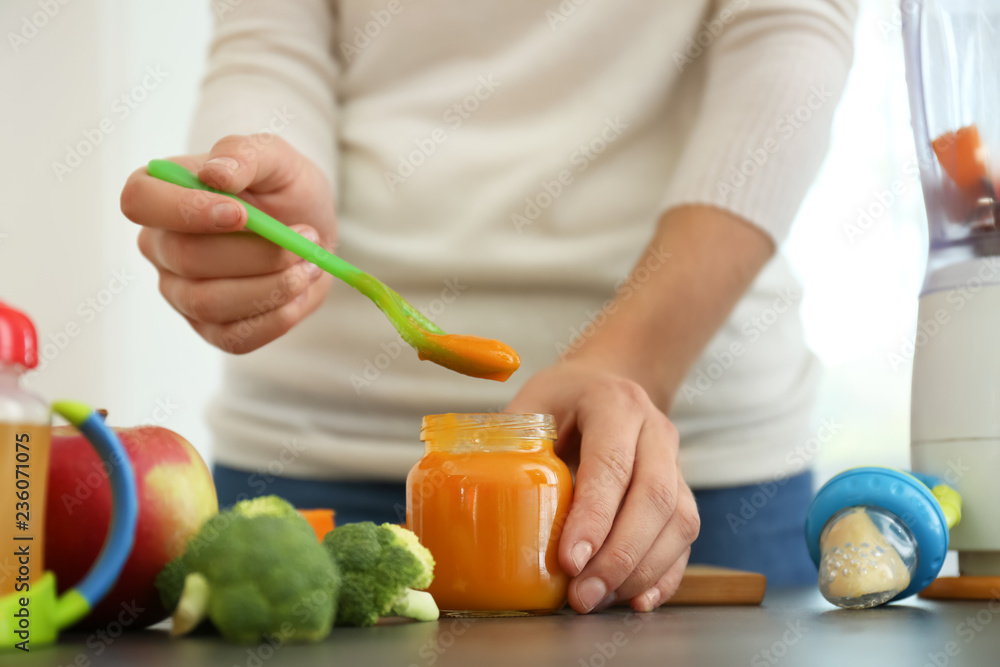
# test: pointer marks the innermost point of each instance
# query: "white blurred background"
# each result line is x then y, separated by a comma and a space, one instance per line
68, 257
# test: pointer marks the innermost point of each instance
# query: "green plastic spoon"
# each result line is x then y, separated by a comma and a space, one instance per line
470, 355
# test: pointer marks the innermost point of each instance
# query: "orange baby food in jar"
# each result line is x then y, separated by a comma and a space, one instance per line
489, 499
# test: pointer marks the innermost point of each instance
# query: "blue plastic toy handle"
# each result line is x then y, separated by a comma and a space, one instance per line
124, 514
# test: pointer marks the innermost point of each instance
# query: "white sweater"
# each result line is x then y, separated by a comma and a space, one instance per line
502, 165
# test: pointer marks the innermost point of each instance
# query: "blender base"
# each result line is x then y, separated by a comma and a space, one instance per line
955, 426
979, 563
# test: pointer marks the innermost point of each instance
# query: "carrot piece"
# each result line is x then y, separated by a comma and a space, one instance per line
321, 521
962, 156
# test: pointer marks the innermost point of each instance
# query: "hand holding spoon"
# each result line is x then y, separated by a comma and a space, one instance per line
470, 355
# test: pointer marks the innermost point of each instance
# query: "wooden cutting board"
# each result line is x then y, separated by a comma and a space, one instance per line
709, 585
962, 588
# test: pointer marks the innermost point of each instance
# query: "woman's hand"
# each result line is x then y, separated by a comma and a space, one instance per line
238, 290
633, 519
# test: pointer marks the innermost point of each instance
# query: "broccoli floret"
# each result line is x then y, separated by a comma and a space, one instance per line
264, 505
258, 574
380, 566
170, 582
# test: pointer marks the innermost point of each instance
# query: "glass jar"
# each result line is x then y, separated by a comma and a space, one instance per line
489, 499
24, 457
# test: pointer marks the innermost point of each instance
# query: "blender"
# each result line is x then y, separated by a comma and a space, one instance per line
952, 50
878, 534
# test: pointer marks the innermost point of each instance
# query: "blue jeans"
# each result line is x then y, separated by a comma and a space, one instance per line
760, 527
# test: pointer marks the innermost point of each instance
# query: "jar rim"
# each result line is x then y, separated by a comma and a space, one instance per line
529, 425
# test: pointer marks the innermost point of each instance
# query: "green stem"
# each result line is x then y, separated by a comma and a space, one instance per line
417, 605
192, 608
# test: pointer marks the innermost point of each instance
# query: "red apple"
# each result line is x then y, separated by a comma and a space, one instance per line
176, 494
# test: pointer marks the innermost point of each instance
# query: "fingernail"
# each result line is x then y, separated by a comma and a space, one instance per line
312, 271
309, 233
649, 599
225, 215
227, 163
591, 593
608, 600
580, 554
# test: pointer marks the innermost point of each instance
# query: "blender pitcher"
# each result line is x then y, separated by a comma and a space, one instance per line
30, 613
952, 52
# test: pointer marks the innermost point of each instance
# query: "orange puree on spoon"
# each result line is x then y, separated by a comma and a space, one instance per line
470, 355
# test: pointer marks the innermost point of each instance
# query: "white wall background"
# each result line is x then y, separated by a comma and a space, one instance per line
860, 299
64, 239
61, 241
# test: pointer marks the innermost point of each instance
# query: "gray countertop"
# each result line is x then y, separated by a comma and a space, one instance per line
791, 628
